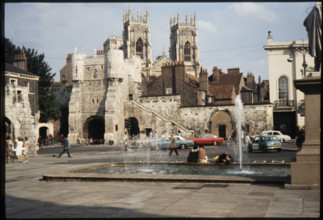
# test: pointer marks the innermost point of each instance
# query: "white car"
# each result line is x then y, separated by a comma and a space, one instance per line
281, 137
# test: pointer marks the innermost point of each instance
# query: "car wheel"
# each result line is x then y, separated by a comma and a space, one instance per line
282, 140
183, 146
214, 143
279, 150
264, 150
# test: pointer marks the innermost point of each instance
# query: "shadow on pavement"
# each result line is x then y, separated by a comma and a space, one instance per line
27, 208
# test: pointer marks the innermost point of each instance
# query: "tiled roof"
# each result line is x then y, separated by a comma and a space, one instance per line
223, 88
14, 69
221, 91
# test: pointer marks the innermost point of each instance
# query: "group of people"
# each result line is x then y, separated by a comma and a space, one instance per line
48, 140
21, 148
198, 154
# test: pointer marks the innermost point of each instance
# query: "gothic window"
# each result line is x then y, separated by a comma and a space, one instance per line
95, 74
283, 90
139, 48
187, 52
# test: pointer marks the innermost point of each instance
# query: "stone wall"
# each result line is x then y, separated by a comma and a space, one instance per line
19, 112
207, 118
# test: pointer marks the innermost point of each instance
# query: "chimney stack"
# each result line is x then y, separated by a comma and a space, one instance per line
20, 61
215, 74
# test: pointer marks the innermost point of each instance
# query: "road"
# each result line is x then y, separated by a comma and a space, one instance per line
118, 154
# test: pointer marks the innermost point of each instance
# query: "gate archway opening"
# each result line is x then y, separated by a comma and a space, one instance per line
221, 124
133, 128
43, 132
94, 128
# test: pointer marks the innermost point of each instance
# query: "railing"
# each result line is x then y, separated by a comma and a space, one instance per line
284, 103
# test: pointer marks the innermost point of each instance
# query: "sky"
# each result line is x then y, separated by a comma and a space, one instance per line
230, 34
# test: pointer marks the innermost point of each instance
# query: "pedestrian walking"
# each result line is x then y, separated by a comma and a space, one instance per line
19, 148
65, 144
173, 146
9, 149
26, 149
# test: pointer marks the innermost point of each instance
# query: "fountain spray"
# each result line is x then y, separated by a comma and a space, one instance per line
239, 117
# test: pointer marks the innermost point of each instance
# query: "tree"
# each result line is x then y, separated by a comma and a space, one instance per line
36, 65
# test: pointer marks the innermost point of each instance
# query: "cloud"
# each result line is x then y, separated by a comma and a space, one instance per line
255, 10
206, 26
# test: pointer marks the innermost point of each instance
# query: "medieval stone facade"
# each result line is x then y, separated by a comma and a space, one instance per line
21, 102
119, 89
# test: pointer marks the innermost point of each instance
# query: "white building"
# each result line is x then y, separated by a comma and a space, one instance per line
285, 64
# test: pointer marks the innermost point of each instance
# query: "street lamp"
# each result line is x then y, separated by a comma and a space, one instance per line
303, 51
304, 65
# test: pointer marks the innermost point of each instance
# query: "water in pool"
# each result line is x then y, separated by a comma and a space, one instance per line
190, 169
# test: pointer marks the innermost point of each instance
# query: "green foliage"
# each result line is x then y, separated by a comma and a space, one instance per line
36, 65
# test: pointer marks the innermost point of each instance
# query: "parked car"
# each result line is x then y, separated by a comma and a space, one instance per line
281, 137
166, 143
207, 139
265, 143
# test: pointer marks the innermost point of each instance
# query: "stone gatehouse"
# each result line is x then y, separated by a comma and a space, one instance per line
110, 94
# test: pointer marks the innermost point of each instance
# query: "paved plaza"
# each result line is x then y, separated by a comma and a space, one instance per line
29, 196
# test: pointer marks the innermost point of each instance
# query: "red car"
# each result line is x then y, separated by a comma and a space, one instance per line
207, 139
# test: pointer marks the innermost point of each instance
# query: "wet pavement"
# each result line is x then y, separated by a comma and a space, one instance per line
29, 196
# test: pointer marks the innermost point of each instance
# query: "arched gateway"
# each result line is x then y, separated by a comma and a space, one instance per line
132, 126
94, 127
221, 124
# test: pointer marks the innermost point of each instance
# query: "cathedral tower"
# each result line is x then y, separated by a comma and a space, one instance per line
184, 43
136, 39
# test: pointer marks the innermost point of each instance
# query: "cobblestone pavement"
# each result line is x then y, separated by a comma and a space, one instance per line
28, 196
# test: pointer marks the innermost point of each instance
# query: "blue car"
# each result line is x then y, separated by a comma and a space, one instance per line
264, 143
166, 144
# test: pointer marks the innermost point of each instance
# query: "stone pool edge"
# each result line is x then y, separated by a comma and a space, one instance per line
70, 176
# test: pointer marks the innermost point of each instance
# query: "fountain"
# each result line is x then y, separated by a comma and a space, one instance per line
239, 117
141, 163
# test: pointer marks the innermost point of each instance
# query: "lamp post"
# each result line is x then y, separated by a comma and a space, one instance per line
304, 65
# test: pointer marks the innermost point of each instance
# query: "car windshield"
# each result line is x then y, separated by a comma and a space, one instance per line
258, 139
273, 138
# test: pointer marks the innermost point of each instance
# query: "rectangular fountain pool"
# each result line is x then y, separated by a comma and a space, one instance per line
249, 170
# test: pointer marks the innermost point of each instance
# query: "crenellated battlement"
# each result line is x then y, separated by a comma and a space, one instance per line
174, 63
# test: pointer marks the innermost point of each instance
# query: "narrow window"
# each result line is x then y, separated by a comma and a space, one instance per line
19, 96
139, 49
283, 91
187, 52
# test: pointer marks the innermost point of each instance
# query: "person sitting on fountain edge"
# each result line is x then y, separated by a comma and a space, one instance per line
223, 158
193, 155
202, 158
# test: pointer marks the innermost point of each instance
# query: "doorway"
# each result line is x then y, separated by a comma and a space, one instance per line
222, 131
